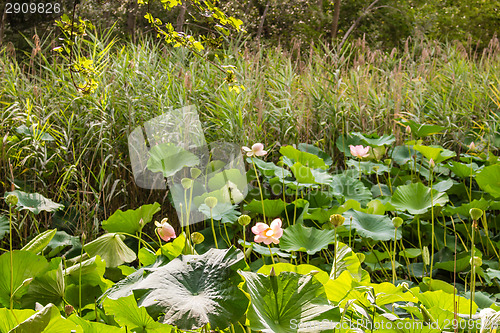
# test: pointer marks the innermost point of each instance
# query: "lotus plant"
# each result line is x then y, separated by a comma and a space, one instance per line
268, 234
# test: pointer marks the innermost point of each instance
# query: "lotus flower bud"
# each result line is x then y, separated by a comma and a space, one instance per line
186, 183
12, 200
195, 173
336, 220
197, 238
211, 202
397, 222
244, 220
475, 213
408, 129
476, 261
431, 163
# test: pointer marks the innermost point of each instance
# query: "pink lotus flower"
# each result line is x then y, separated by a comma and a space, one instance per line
257, 150
359, 151
268, 234
165, 230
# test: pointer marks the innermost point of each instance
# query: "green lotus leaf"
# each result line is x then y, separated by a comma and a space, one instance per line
465, 208
303, 174
438, 154
416, 198
40, 242
308, 148
4, 226
284, 302
46, 288
130, 220
26, 265
303, 269
264, 250
223, 211
34, 202
321, 215
489, 180
403, 154
344, 141
305, 159
93, 327
91, 271
273, 208
11, 318
375, 140
193, 290
111, 248
368, 167
60, 241
345, 187
423, 130
127, 314
443, 186
445, 301
221, 178
345, 260
376, 227
270, 169
47, 320
462, 170
168, 159
305, 239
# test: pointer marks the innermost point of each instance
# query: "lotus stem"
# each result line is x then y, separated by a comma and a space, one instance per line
271, 252
213, 229
11, 261
260, 190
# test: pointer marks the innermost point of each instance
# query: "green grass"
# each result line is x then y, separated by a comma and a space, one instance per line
287, 100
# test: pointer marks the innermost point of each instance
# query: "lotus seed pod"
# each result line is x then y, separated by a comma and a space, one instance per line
197, 238
244, 220
475, 213
186, 183
397, 222
476, 261
68, 309
195, 173
211, 202
12, 200
336, 220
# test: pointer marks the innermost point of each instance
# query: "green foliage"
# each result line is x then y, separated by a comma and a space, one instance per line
279, 303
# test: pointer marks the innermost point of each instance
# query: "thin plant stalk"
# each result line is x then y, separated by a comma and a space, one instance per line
432, 224
11, 260
335, 253
260, 190
213, 228
473, 267
393, 261
271, 252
